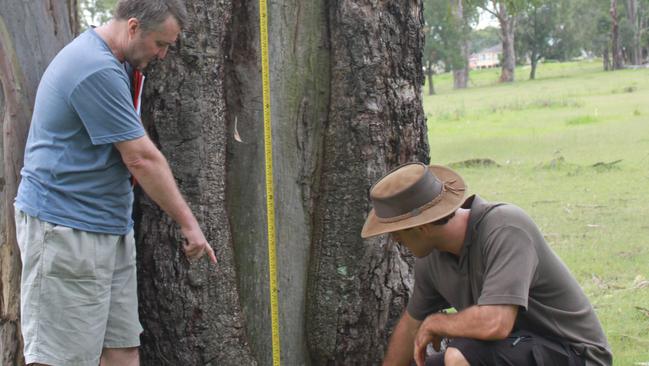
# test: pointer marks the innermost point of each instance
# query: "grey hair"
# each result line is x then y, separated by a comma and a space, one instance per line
151, 13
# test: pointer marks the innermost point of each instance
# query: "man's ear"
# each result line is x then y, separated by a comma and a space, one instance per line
424, 229
133, 26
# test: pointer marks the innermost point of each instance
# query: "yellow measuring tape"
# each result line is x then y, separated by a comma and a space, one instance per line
270, 197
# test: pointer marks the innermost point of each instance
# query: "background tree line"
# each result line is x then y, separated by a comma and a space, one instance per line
533, 30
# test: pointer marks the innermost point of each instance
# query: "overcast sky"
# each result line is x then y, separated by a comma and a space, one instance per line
486, 20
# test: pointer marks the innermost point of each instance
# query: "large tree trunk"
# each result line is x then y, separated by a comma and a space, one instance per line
31, 33
616, 51
461, 75
346, 106
358, 288
191, 312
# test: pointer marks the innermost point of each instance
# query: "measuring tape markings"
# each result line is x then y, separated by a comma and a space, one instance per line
270, 197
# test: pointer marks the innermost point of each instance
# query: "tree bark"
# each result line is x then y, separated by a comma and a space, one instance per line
358, 288
534, 61
461, 75
507, 26
616, 51
606, 59
191, 312
346, 82
300, 83
634, 19
31, 33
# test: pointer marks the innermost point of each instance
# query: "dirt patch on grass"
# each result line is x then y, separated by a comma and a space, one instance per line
475, 163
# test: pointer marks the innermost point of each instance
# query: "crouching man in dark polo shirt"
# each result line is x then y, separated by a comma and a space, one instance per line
516, 302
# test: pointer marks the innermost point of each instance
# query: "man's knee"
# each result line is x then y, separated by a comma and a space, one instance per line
453, 357
120, 356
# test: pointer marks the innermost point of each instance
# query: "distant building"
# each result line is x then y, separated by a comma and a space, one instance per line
488, 57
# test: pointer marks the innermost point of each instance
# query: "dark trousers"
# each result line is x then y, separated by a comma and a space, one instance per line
520, 348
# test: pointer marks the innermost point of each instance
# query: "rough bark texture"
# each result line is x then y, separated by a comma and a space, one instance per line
461, 75
616, 51
190, 311
359, 288
31, 33
346, 107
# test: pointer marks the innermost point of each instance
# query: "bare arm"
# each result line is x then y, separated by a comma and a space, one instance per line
485, 322
400, 346
150, 168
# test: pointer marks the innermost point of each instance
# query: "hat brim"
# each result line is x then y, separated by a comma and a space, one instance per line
448, 204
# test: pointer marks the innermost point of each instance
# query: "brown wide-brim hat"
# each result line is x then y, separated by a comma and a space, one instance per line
411, 195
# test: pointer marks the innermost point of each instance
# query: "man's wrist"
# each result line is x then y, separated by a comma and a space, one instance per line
433, 323
187, 221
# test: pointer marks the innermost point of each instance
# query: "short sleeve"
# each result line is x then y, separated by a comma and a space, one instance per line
510, 264
103, 102
425, 298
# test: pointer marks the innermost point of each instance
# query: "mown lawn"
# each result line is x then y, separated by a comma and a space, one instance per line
572, 149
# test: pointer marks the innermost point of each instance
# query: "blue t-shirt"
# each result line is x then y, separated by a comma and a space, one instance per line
73, 174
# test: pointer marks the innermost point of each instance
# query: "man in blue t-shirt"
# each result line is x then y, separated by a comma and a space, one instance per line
74, 203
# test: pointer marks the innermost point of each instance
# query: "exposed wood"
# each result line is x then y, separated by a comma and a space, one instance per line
299, 62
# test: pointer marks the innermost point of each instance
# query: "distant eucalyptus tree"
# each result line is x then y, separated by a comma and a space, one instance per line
460, 15
536, 32
505, 11
636, 11
616, 49
447, 38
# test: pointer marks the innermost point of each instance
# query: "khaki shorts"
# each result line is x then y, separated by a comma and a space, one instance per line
78, 293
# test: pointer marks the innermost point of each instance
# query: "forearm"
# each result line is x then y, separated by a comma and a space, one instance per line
401, 343
154, 176
476, 322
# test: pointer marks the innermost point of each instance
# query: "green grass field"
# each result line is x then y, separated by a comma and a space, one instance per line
572, 149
